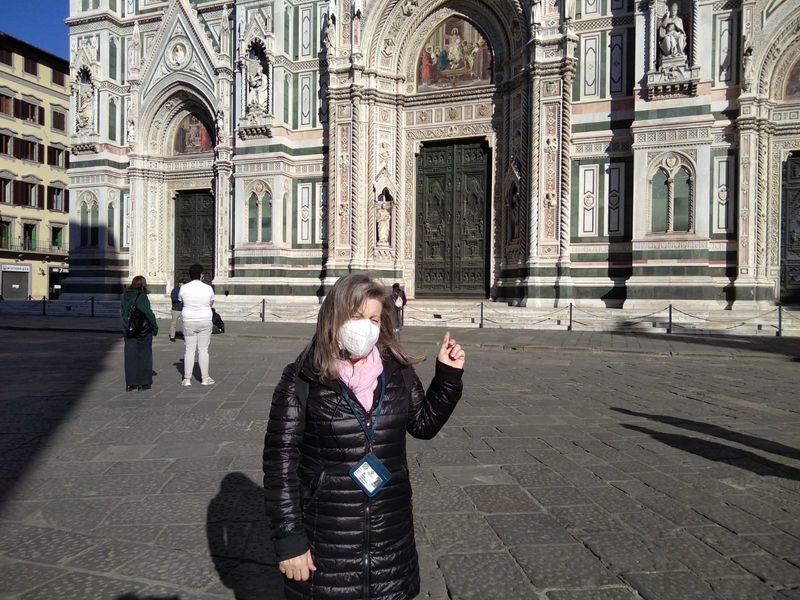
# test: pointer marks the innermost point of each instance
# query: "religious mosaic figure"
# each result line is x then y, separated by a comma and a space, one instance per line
672, 34
454, 55
192, 136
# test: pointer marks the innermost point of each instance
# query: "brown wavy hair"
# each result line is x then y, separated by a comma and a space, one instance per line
140, 283
342, 303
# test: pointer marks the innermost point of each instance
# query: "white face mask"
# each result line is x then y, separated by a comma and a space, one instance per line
358, 336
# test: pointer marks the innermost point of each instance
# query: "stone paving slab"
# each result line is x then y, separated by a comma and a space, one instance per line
570, 470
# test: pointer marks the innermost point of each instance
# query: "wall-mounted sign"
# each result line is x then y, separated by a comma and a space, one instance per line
16, 268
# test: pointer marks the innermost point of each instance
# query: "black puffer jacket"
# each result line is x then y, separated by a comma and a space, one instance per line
363, 547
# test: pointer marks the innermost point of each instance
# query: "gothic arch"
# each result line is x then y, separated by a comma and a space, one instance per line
403, 28
782, 48
160, 122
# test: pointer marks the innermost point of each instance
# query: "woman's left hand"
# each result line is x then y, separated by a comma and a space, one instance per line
451, 353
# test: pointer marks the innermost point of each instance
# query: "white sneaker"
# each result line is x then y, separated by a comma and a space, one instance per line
208, 381
186, 382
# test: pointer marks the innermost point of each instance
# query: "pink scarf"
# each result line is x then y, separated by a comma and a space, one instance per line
364, 379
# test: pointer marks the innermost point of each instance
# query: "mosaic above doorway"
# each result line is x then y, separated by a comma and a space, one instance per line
192, 136
455, 55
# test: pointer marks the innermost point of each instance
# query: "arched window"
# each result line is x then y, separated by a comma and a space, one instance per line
112, 242
266, 218
84, 225
259, 214
112, 58
660, 202
94, 229
112, 120
252, 218
672, 196
682, 195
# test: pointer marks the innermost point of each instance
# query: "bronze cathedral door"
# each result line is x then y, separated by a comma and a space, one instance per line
194, 233
790, 231
452, 245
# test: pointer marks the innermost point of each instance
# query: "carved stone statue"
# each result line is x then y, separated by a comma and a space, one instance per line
131, 136
747, 68
220, 124
536, 13
225, 32
136, 48
383, 220
672, 34
85, 117
257, 85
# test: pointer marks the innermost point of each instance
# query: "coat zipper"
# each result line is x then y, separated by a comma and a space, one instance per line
367, 510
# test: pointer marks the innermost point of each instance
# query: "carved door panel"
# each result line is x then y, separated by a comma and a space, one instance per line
790, 231
452, 216
194, 233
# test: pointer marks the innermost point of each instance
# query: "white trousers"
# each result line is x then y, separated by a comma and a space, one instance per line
197, 335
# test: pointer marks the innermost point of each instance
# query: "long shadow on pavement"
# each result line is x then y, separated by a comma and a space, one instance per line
786, 346
736, 457
717, 431
39, 392
239, 540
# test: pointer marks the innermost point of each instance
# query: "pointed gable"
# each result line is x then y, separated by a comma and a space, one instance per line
180, 53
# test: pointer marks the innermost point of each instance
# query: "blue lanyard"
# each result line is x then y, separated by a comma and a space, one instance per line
367, 432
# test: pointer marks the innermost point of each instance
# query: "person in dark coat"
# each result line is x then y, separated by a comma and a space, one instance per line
399, 301
139, 350
336, 475
177, 307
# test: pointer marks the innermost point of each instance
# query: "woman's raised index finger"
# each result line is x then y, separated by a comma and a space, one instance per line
446, 338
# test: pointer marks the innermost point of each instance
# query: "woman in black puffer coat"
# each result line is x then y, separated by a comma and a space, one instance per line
333, 540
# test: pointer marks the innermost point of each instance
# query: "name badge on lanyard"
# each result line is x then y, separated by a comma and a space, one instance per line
369, 473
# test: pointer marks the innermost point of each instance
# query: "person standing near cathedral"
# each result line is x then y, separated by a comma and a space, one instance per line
197, 298
177, 307
399, 302
139, 347
336, 482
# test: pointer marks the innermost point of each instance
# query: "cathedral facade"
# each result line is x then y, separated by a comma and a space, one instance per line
536, 152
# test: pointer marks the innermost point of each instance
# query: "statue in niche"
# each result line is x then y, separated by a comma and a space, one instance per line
383, 221
224, 31
131, 135
257, 84
536, 13
672, 34
747, 68
136, 48
85, 118
219, 123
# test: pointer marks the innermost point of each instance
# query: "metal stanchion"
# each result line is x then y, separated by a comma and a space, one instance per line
44, 306
569, 327
92, 305
263, 309
480, 326
780, 321
669, 326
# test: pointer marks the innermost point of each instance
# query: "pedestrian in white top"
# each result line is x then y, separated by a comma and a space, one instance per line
197, 298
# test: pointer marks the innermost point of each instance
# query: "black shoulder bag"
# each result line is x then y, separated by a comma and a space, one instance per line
138, 323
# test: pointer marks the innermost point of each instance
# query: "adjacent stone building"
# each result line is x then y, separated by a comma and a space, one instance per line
537, 152
34, 156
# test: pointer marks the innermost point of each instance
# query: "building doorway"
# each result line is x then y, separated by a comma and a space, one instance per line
194, 232
790, 230
452, 243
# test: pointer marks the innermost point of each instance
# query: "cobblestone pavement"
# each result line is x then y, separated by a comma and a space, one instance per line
576, 467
